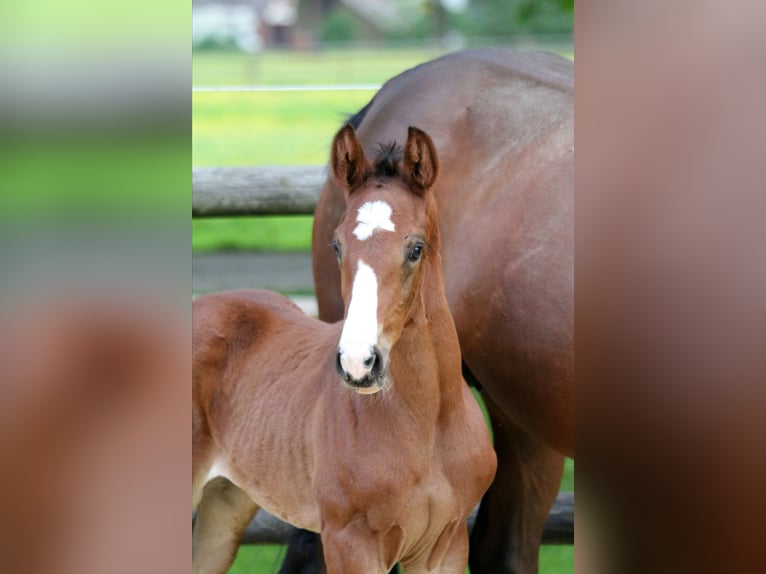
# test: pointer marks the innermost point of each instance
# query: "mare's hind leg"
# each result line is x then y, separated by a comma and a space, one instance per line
506, 536
222, 516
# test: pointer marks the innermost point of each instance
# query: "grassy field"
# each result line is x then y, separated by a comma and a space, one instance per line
338, 66
267, 559
292, 128
286, 128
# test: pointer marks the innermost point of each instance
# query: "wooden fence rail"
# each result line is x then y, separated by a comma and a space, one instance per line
559, 528
239, 191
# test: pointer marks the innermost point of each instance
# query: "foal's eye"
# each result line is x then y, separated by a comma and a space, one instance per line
415, 253
336, 247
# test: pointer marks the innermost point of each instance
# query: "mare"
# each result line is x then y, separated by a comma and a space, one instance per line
503, 124
363, 430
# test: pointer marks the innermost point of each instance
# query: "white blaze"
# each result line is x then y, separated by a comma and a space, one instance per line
371, 216
360, 330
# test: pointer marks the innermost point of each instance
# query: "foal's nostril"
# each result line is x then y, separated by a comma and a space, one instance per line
376, 362
369, 361
339, 367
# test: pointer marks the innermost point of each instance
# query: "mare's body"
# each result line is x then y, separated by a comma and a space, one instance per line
503, 123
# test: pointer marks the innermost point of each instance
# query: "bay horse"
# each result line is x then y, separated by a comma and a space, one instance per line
503, 123
363, 430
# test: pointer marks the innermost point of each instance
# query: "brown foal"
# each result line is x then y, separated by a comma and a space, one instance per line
362, 430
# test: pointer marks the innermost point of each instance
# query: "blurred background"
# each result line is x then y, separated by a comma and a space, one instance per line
273, 80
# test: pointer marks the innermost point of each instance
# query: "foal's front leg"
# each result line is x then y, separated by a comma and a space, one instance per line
456, 559
448, 556
356, 548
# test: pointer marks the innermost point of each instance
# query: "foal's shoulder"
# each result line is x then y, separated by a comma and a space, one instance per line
233, 321
227, 308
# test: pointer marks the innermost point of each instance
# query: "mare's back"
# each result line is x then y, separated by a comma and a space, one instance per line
499, 100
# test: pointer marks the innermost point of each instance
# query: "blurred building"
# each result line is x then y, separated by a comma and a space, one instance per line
250, 25
226, 24
278, 19
345, 20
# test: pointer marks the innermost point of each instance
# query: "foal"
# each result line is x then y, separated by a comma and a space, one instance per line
363, 430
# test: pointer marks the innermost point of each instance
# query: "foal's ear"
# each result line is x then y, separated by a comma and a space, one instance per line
347, 160
420, 161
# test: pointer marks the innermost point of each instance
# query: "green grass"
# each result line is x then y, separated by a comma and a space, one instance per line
353, 66
334, 66
258, 559
284, 128
556, 560
253, 128
266, 559
275, 233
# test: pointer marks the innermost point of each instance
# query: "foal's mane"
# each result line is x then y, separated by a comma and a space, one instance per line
388, 160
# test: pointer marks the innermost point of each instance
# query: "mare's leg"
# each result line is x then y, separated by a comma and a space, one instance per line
506, 536
304, 554
223, 514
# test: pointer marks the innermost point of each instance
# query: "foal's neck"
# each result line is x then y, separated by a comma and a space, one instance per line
427, 356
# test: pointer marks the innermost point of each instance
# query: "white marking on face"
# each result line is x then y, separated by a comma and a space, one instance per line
360, 330
371, 216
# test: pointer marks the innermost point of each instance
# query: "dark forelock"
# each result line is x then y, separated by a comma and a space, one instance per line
387, 162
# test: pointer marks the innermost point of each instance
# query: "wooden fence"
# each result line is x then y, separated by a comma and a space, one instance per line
294, 190
237, 191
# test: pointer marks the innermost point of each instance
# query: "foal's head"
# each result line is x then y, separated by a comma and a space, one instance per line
383, 243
